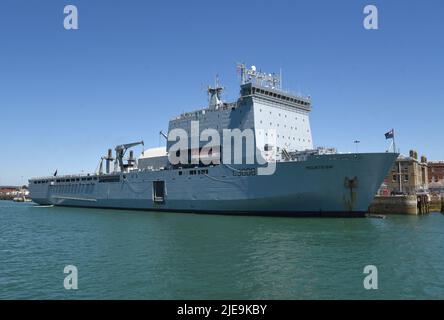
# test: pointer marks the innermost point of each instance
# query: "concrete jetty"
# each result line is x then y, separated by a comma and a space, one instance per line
407, 204
399, 204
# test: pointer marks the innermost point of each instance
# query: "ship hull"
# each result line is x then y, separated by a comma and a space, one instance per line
323, 185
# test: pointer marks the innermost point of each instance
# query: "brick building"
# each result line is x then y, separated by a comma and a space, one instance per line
7, 190
407, 176
436, 171
436, 176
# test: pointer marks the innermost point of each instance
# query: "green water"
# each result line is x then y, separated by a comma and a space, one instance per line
143, 255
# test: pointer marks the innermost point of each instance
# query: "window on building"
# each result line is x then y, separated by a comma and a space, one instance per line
394, 178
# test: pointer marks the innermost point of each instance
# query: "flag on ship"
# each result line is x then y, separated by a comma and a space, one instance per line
390, 134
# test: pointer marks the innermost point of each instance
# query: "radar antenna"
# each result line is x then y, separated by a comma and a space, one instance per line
263, 79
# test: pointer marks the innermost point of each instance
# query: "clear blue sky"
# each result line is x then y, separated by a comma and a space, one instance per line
66, 96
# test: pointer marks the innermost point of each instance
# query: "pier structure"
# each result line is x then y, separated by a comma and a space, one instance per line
406, 188
406, 204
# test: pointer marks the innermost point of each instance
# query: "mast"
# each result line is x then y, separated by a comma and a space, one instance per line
214, 94
270, 80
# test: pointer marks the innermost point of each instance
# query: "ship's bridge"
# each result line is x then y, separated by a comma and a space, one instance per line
276, 96
273, 115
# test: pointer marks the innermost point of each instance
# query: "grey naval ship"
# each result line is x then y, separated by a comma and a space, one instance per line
305, 181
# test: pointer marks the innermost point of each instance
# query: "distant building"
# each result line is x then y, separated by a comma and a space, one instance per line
407, 176
436, 171
436, 176
7, 190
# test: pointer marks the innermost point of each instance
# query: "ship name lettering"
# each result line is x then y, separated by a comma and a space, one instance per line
319, 167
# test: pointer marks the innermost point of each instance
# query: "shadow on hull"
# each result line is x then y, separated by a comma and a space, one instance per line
281, 214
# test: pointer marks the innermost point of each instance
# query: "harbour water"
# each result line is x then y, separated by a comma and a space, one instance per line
143, 255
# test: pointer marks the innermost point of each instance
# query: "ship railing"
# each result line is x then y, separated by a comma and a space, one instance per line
200, 112
65, 176
303, 155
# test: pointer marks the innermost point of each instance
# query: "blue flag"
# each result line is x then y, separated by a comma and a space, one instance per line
390, 134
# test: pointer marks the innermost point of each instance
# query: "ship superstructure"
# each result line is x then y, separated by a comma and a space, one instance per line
304, 180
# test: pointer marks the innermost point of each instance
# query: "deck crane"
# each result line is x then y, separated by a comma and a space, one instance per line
120, 153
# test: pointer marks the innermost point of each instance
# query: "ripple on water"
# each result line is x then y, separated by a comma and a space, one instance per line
121, 254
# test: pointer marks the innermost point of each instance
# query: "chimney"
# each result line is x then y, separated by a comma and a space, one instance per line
109, 158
